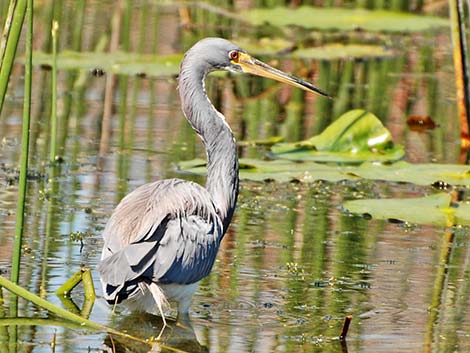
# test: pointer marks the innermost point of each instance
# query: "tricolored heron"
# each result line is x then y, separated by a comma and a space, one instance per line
163, 237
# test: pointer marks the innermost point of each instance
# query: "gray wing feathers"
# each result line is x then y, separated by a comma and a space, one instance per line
123, 265
188, 250
160, 231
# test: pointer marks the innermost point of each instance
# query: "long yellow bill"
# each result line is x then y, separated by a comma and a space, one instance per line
254, 66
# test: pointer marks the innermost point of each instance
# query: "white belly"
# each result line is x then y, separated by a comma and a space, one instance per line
144, 300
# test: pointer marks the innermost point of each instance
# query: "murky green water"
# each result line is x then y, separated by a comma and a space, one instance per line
293, 264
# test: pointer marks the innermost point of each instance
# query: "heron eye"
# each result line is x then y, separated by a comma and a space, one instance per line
233, 55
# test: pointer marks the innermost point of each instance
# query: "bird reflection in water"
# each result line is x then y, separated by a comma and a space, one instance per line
180, 337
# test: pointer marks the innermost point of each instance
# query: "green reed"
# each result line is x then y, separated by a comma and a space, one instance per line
6, 29
12, 36
20, 210
54, 120
62, 313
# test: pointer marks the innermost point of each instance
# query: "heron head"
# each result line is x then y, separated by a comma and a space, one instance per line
220, 54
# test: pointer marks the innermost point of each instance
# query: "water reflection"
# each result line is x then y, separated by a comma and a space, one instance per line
176, 336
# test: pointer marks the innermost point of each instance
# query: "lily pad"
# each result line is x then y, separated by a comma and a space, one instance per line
116, 62
285, 170
356, 136
419, 174
343, 19
433, 210
264, 142
278, 170
336, 51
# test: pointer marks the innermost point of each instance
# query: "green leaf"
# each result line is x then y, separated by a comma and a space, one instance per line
116, 62
285, 170
356, 136
264, 142
434, 210
278, 170
419, 174
343, 19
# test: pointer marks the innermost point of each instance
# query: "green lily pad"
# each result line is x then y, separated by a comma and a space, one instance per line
278, 170
343, 19
419, 174
285, 170
264, 142
116, 62
356, 136
433, 210
336, 51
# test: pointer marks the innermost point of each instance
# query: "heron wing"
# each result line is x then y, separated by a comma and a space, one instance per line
167, 231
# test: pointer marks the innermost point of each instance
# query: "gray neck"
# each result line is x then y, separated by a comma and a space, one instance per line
221, 148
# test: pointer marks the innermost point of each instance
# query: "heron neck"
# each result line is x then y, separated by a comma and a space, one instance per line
221, 148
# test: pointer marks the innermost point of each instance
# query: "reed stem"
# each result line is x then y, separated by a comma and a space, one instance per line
66, 315
460, 63
53, 147
20, 209
10, 47
6, 29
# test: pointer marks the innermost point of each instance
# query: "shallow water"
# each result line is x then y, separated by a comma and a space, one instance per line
293, 264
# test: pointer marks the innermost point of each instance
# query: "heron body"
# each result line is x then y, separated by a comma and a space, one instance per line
163, 237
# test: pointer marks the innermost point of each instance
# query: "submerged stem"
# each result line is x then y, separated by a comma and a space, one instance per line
74, 318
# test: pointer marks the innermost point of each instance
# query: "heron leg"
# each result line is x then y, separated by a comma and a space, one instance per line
160, 300
164, 322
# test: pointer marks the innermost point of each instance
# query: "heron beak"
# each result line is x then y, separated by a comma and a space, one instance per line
254, 66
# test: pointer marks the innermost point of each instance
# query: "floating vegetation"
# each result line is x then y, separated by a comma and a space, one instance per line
115, 62
425, 174
438, 210
419, 174
335, 51
355, 137
343, 19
